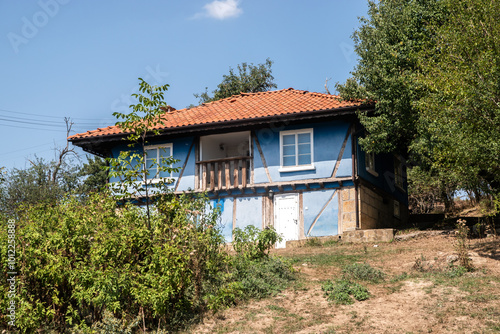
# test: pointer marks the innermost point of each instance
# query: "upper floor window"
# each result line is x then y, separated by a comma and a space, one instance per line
296, 149
155, 156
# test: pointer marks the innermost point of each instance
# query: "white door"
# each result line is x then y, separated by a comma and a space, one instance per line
286, 217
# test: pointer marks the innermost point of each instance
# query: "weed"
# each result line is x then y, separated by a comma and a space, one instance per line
363, 271
341, 291
313, 242
462, 245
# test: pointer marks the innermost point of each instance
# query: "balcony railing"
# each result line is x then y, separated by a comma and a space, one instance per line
224, 174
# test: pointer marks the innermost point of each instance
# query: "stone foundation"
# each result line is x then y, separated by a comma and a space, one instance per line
378, 235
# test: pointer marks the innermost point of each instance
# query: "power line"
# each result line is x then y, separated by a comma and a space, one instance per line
58, 117
30, 128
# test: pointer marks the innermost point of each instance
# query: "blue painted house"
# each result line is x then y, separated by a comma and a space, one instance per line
287, 158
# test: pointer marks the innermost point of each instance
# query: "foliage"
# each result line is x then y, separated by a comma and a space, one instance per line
253, 243
250, 79
341, 291
461, 110
260, 278
462, 245
94, 174
37, 184
362, 271
389, 44
77, 260
258, 274
130, 166
428, 187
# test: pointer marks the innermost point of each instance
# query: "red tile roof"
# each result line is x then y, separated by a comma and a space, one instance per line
245, 106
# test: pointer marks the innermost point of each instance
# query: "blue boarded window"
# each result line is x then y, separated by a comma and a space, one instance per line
155, 156
296, 148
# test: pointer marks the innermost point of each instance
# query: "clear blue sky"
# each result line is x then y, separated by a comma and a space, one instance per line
81, 59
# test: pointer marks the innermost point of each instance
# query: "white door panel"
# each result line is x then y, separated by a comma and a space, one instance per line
286, 217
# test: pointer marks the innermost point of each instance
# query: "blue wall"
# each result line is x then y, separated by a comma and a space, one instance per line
326, 221
384, 166
328, 138
180, 148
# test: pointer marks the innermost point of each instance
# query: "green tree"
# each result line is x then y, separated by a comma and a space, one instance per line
42, 182
389, 44
461, 110
130, 166
94, 174
249, 79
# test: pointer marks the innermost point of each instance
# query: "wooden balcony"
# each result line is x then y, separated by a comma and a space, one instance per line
224, 174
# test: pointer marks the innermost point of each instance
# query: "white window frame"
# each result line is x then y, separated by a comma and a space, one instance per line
370, 167
296, 167
158, 147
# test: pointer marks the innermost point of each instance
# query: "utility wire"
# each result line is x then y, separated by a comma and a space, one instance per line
48, 116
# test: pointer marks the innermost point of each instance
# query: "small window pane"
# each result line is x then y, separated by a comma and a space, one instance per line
304, 138
289, 140
289, 161
151, 154
288, 150
305, 159
164, 152
304, 148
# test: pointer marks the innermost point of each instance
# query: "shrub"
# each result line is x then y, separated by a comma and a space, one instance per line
76, 261
341, 291
462, 245
253, 243
363, 271
262, 278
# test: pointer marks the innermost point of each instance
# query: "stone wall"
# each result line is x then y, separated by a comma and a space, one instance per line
347, 214
378, 235
378, 211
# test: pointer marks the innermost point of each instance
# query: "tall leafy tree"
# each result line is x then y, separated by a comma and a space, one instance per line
389, 43
249, 79
94, 174
461, 110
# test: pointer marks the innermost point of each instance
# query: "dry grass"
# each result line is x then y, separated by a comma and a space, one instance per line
434, 299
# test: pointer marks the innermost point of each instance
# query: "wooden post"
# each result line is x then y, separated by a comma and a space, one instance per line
204, 176
227, 168
236, 170
219, 176
244, 172
212, 176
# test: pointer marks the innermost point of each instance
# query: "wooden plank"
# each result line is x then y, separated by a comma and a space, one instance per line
212, 176
341, 153
243, 173
204, 176
235, 171
184, 167
227, 169
219, 175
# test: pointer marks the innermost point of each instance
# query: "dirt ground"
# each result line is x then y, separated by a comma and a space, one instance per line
419, 295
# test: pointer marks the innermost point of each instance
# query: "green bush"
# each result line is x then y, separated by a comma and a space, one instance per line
258, 274
341, 291
76, 261
364, 272
253, 243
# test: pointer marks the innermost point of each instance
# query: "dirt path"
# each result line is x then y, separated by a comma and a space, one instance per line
422, 298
